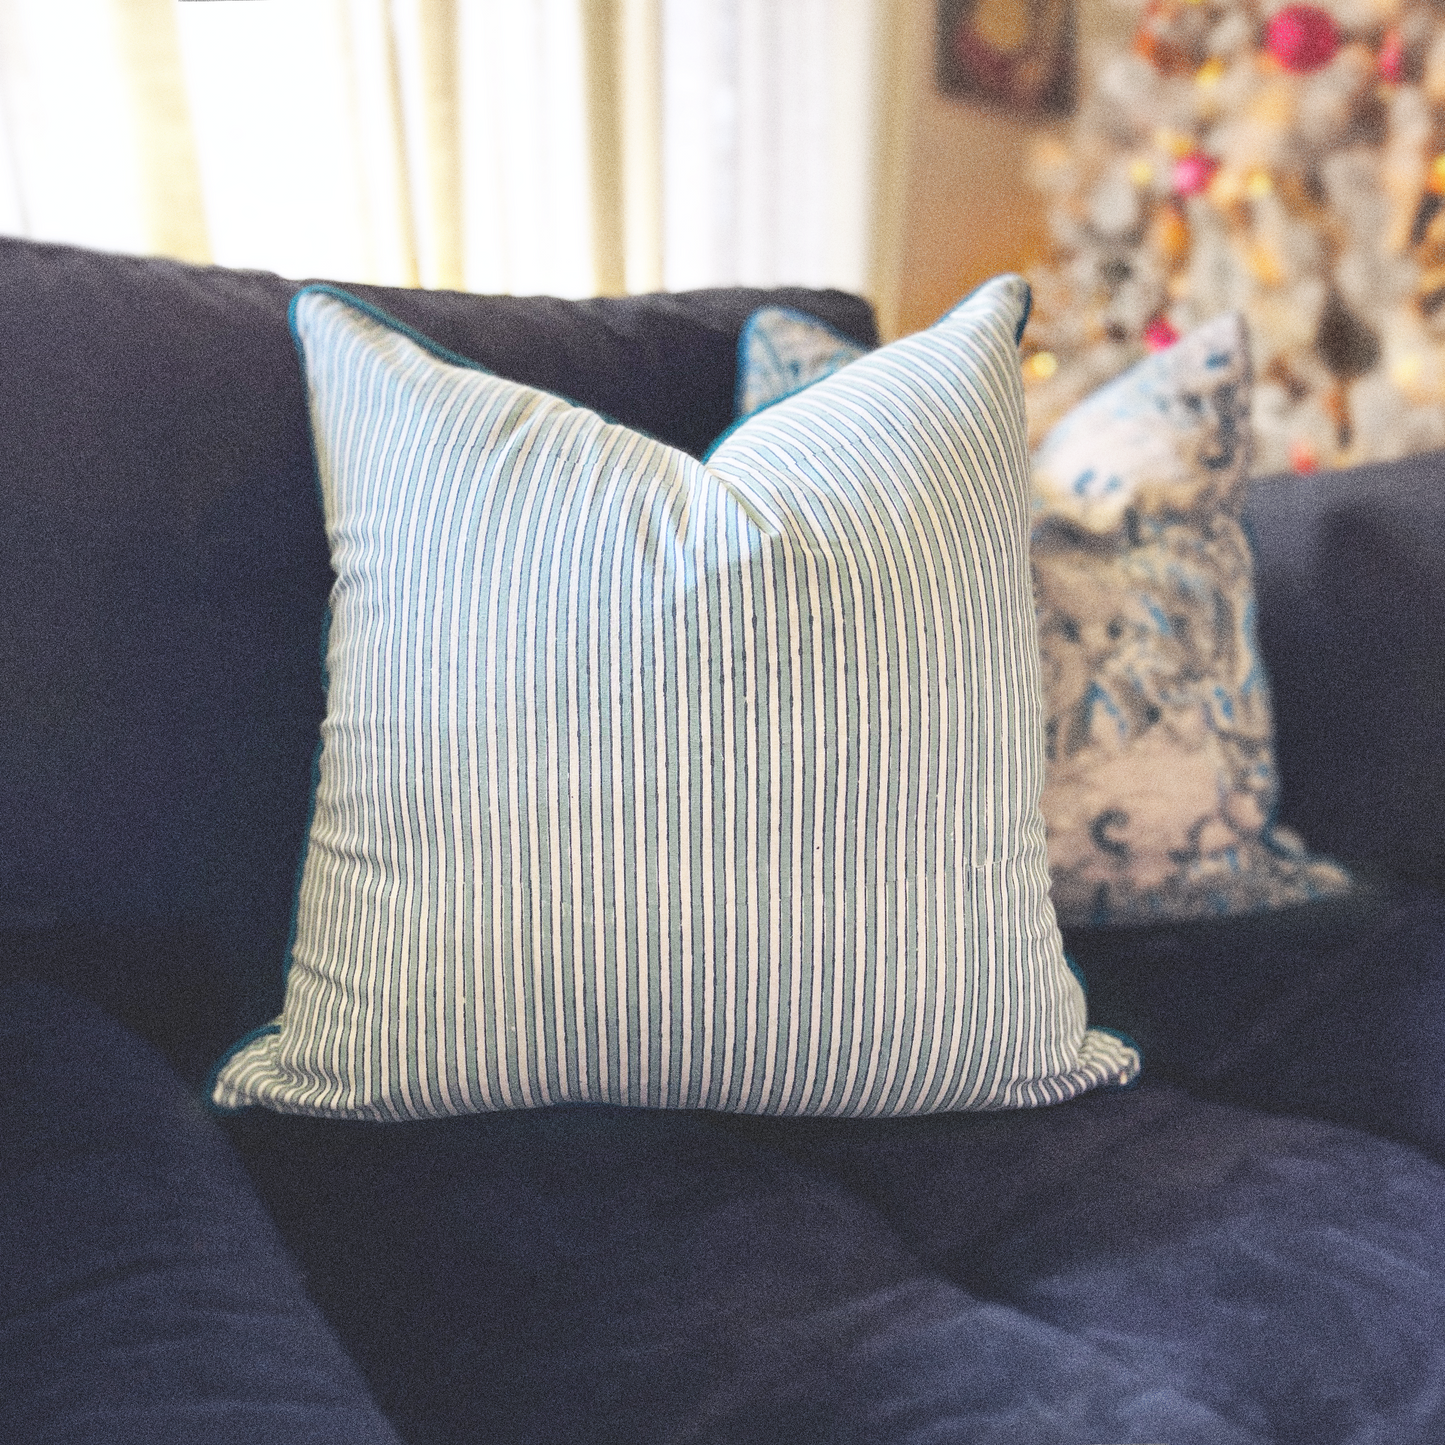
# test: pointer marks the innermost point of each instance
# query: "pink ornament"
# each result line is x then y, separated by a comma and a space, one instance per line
1159, 335
1193, 173
1302, 38
1392, 57
1303, 458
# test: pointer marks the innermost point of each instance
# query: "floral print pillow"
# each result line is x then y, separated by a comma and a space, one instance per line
1161, 783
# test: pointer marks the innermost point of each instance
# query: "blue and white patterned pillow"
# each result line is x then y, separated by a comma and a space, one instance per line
1161, 781
1161, 784
664, 783
781, 351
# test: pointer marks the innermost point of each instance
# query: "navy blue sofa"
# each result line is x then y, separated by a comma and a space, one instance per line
1247, 1247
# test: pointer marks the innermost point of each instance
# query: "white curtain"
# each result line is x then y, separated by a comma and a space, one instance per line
560, 146
71, 142
767, 141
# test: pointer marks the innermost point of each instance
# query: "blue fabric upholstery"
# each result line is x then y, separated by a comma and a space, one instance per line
1285, 1275
1228, 1277
1334, 1010
1139, 1267
1351, 597
144, 1296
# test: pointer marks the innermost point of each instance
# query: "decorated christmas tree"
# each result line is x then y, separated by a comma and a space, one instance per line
1285, 162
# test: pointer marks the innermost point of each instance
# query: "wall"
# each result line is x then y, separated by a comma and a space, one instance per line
958, 206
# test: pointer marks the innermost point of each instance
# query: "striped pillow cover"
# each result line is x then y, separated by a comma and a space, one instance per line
656, 782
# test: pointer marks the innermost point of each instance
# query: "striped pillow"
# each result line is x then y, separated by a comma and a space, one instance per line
664, 783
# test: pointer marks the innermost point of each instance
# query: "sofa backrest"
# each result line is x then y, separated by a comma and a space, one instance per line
1350, 581
163, 586
164, 575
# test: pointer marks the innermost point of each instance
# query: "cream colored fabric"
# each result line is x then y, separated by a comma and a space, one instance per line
569, 147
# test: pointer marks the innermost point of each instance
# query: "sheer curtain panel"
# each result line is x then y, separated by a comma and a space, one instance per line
562, 146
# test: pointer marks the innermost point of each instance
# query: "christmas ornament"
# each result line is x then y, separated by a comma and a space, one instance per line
1171, 36
1159, 335
1302, 38
1291, 170
1169, 235
1041, 365
1392, 57
1303, 458
1192, 173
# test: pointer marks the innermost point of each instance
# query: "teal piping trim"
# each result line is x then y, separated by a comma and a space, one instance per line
384, 318
1077, 972
435, 348
1023, 320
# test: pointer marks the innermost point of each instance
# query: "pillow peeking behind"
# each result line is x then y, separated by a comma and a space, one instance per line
1161, 777
648, 781
1161, 782
781, 351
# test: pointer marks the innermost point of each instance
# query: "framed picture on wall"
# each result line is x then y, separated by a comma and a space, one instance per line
1014, 55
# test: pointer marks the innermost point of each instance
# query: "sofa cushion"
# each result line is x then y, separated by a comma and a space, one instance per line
619, 1275
656, 783
144, 1295
1334, 1009
165, 577
1283, 1274
1132, 1266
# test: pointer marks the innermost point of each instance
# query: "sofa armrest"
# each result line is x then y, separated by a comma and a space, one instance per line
144, 1292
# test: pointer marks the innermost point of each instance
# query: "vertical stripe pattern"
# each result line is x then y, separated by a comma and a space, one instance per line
665, 783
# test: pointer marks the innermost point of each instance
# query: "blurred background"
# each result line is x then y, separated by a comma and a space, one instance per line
1149, 164
570, 147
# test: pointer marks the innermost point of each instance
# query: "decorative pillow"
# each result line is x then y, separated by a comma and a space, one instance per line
656, 782
1161, 784
781, 351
